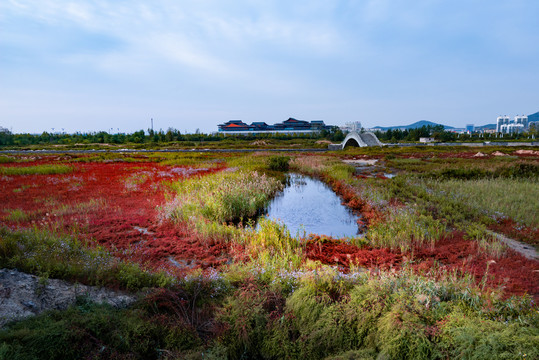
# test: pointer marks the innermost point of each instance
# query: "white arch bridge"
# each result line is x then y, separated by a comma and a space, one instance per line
358, 140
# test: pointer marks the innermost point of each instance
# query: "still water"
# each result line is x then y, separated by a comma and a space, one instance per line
309, 205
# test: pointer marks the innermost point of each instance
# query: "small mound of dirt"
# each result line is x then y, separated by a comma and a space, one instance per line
259, 142
324, 142
526, 152
480, 154
499, 153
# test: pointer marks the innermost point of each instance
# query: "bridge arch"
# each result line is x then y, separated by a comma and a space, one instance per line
353, 139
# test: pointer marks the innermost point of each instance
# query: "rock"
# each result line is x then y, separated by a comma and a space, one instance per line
499, 153
23, 295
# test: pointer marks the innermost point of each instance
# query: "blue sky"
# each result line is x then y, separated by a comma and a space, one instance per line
99, 65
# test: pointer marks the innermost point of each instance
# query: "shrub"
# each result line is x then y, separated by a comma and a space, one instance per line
278, 163
468, 336
520, 170
83, 331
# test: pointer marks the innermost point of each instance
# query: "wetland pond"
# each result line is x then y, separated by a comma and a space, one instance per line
309, 205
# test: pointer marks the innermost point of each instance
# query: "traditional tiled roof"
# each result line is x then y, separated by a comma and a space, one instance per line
290, 124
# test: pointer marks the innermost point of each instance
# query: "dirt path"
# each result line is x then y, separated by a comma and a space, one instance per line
524, 249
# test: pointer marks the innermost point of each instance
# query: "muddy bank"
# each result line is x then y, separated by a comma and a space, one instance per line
23, 295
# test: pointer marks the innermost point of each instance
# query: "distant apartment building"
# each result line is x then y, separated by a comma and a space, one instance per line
506, 125
354, 126
290, 126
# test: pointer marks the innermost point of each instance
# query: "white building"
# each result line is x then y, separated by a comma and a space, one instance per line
351, 126
506, 125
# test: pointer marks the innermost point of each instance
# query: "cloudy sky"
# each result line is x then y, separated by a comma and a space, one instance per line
90, 65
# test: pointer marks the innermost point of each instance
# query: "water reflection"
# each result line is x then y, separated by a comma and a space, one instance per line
309, 205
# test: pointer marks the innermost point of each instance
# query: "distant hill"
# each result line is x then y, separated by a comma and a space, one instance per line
418, 124
415, 125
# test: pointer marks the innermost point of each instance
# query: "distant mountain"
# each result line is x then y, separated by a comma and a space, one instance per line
534, 117
415, 125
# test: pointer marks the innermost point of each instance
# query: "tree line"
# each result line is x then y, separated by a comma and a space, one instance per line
173, 135
440, 134
148, 137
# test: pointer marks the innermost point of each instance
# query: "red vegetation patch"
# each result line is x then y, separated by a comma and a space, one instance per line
335, 252
515, 231
114, 205
445, 155
370, 214
516, 274
513, 272
463, 154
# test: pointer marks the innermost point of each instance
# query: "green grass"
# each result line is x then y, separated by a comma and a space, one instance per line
277, 304
394, 316
403, 228
61, 256
16, 215
37, 170
514, 198
222, 197
80, 208
278, 163
7, 159
165, 324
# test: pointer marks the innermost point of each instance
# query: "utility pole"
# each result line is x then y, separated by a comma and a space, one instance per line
152, 125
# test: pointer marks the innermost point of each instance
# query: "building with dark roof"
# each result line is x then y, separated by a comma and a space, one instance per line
289, 126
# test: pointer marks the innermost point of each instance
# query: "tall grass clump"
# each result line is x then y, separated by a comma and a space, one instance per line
404, 228
37, 170
17, 215
253, 162
386, 316
330, 167
83, 331
312, 165
62, 256
486, 242
271, 246
223, 197
7, 159
278, 163
339, 171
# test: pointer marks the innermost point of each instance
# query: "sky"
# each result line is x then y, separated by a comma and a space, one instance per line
95, 65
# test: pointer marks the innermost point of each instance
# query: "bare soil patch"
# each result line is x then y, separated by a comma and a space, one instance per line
23, 295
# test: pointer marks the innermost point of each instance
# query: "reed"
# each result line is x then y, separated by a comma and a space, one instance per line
404, 228
222, 197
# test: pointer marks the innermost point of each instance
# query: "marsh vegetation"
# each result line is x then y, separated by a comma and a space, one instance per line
428, 280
